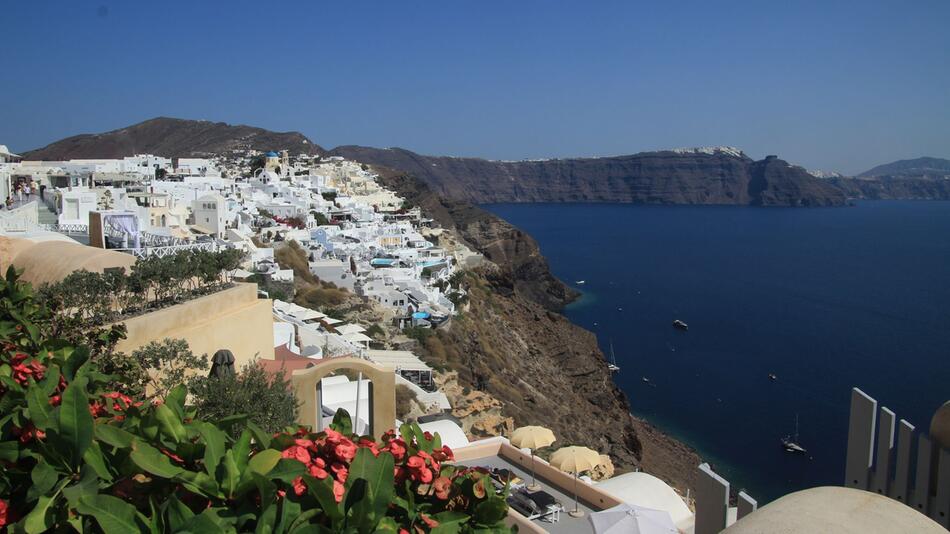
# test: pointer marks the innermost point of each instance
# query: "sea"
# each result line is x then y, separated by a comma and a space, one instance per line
826, 299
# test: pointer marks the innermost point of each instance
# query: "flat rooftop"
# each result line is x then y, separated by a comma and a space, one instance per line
498, 453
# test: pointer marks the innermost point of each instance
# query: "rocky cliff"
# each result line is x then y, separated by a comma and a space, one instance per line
667, 177
894, 188
169, 137
512, 345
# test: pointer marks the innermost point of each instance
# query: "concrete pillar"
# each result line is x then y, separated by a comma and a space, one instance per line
921, 500
746, 505
860, 440
900, 488
885, 445
712, 501
941, 511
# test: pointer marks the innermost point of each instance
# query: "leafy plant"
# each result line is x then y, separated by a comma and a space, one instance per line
78, 456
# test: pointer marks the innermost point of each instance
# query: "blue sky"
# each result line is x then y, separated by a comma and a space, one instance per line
831, 85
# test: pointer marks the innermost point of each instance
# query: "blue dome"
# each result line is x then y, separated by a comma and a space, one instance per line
271, 154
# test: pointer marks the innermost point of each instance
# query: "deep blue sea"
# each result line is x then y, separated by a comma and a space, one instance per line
825, 298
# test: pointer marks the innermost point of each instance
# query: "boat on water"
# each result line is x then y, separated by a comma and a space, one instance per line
612, 364
680, 324
580, 282
791, 443
773, 376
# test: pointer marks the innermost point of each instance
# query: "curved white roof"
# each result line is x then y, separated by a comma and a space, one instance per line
642, 489
448, 431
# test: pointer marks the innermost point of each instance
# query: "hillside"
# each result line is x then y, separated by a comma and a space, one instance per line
911, 168
170, 137
666, 177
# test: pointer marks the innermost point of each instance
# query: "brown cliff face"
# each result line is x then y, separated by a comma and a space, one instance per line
650, 177
545, 369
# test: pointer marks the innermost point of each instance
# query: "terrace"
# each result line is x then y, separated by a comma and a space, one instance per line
498, 453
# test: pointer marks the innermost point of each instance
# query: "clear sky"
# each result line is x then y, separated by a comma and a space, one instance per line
825, 84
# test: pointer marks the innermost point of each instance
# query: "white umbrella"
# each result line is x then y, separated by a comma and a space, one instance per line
630, 519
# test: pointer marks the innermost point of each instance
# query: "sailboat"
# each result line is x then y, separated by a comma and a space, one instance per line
791, 444
612, 365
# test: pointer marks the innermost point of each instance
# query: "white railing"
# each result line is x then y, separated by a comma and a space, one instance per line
161, 252
876, 463
67, 229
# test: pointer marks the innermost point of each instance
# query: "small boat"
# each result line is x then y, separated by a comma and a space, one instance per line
680, 324
580, 282
612, 364
773, 376
791, 444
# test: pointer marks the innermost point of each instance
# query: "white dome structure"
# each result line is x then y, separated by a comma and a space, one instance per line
647, 491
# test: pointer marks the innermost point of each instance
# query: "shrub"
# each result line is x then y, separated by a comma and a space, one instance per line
77, 456
266, 398
150, 372
405, 400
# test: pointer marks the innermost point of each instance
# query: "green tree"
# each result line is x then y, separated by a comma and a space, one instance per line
267, 399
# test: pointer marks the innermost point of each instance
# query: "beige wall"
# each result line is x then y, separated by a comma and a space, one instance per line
233, 319
382, 400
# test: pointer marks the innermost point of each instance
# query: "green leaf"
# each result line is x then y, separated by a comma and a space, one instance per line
450, 522
231, 474
372, 497
287, 470
94, 459
75, 422
200, 483
322, 490
113, 515
214, 446
170, 423
152, 460
262, 462
10, 451
38, 403
342, 422
44, 477
207, 522
262, 438
175, 400
37, 521
176, 513
113, 435
489, 512
242, 449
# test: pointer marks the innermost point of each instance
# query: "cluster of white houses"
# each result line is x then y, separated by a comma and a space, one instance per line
357, 234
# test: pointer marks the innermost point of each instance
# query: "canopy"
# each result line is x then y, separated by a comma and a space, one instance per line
532, 437
630, 519
575, 459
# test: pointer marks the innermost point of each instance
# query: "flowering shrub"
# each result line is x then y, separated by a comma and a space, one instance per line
77, 456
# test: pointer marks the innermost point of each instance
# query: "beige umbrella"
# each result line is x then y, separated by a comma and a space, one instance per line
532, 437
575, 460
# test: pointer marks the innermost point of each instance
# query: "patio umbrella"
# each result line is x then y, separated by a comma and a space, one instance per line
575, 460
532, 437
222, 364
631, 519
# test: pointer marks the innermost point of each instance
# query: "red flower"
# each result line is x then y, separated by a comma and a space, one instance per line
28, 433
97, 409
3, 513
317, 471
55, 400
304, 443
397, 448
424, 475
442, 487
173, 456
338, 491
345, 451
429, 521
339, 471
297, 453
415, 463
299, 487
